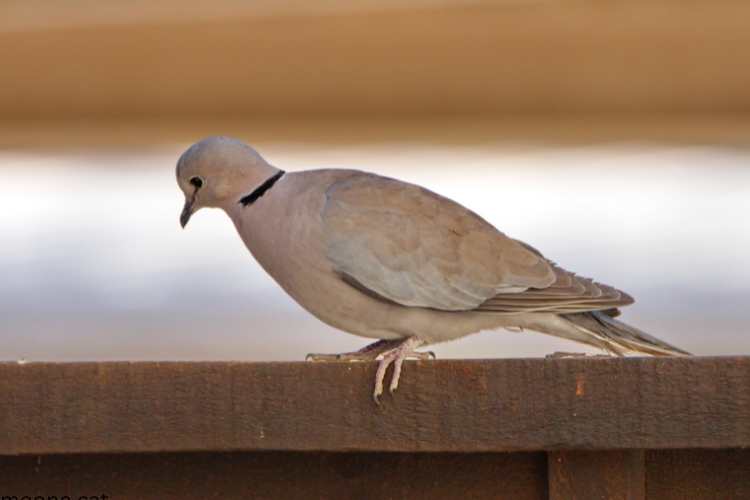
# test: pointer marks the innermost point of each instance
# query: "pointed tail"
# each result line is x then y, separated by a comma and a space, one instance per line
621, 339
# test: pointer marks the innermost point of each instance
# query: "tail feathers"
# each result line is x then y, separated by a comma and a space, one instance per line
621, 339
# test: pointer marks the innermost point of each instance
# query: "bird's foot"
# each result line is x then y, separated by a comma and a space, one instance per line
367, 353
560, 354
397, 357
370, 352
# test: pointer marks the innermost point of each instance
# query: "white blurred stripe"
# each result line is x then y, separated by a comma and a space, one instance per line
92, 243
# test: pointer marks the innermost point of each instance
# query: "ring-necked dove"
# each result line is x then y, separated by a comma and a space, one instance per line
389, 260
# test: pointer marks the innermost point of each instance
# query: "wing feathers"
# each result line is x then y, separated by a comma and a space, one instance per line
416, 248
406, 245
568, 294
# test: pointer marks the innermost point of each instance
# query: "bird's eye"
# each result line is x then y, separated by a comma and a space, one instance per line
196, 181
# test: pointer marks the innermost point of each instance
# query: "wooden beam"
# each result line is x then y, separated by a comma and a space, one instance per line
465, 406
670, 475
698, 474
584, 475
278, 475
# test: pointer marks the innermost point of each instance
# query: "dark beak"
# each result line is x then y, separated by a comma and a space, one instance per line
187, 211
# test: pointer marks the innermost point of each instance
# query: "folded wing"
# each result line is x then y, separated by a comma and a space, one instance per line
406, 245
413, 247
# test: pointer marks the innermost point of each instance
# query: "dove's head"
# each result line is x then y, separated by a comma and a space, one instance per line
218, 171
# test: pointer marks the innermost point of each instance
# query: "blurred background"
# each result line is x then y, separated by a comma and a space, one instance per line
613, 135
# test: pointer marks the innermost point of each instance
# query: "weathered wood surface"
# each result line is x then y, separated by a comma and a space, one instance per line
466, 406
279, 475
614, 475
697, 474
671, 475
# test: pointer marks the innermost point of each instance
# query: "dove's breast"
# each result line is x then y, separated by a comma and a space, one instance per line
284, 232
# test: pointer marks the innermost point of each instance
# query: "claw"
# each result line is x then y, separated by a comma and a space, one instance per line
378, 386
422, 356
394, 351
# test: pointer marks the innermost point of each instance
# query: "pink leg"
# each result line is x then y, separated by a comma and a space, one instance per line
397, 357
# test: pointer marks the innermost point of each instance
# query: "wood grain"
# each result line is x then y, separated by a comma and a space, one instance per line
583, 475
466, 406
278, 475
698, 474
589, 475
